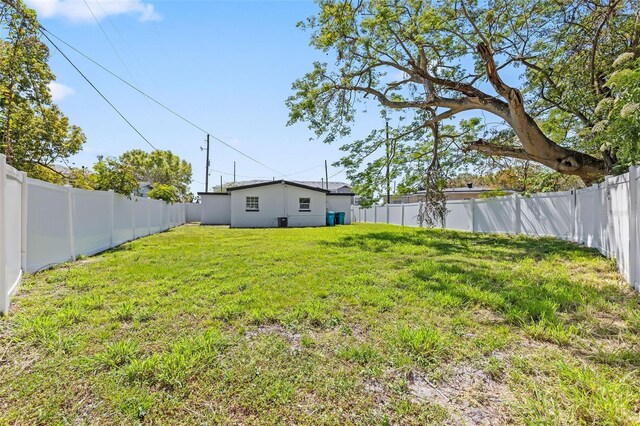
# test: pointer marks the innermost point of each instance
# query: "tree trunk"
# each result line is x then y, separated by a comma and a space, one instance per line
536, 145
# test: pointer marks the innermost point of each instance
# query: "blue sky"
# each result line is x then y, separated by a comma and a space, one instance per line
226, 65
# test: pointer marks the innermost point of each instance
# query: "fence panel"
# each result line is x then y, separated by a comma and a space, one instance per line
156, 216
12, 239
194, 212
395, 213
547, 214
411, 214
49, 231
592, 218
496, 215
123, 219
381, 214
92, 225
142, 209
459, 215
619, 242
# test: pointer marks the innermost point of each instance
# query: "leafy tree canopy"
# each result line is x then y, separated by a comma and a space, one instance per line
521, 176
522, 78
160, 168
163, 192
111, 174
34, 133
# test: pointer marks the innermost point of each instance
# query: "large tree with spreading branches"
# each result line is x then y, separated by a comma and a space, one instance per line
539, 66
34, 132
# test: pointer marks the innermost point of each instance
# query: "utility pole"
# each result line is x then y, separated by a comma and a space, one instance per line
326, 173
388, 152
234, 172
220, 183
322, 180
206, 177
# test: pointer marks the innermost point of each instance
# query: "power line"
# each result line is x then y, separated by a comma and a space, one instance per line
158, 102
98, 91
337, 173
106, 15
113, 47
44, 32
307, 170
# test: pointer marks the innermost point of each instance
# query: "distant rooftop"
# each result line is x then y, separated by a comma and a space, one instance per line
333, 186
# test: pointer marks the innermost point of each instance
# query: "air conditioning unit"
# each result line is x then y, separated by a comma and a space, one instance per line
283, 222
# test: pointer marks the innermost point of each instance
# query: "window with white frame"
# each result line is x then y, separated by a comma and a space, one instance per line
252, 204
305, 204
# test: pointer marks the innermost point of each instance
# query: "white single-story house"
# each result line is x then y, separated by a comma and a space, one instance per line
272, 204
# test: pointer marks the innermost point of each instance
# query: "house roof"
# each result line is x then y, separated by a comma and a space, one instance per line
333, 186
213, 193
274, 182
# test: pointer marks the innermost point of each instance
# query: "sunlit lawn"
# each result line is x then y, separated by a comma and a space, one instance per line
363, 324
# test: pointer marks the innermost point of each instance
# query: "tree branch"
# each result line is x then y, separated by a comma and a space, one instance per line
490, 149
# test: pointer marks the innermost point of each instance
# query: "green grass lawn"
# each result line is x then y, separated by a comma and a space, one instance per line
363, 324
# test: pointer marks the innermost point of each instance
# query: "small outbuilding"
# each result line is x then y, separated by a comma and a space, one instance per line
273, 204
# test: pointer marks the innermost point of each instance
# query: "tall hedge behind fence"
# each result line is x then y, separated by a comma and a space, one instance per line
604, 216
42, 224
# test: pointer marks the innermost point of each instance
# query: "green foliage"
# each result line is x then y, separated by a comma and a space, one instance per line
164, 192
493, 194
619, 127
34, 132
421, 63
160, 168
111, 174
520, 176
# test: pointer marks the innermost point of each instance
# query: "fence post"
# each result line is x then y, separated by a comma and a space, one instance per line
518, 210
375, 214
574, 214
23, 221
402, 221
634, 236
4, 291
70, 216
608, 247
133, 217
112, 219
473, 215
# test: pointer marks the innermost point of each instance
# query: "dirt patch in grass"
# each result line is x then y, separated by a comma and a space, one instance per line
470, 396
294, 339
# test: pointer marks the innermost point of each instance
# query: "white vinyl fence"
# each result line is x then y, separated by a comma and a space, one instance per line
604, 216
42, 224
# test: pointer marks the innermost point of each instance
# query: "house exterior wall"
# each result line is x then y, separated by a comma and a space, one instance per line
216, 209
340, 203
315, 217
275, 201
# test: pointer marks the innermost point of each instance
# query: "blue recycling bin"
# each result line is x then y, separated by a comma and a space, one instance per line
331, 218
340, 218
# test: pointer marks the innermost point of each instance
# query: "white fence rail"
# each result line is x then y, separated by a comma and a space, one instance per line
42, 224
604, 216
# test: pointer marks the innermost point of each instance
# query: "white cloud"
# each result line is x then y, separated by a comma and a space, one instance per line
77, 11
59, 91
